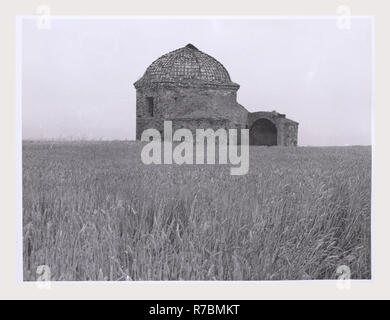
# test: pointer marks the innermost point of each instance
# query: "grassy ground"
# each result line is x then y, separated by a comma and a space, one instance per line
93, 211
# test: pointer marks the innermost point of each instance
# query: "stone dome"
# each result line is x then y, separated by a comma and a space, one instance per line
186, 66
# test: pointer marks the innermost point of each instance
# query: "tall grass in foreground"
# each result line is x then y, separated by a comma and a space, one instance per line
93, 211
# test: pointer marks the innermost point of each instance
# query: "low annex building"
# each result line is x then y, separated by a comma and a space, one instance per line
194, 91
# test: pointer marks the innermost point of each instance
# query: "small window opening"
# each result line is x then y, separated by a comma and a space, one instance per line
150, 105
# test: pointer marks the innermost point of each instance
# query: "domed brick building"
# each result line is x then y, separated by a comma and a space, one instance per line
194, 91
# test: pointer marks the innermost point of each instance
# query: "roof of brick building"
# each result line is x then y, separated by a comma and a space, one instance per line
187, 65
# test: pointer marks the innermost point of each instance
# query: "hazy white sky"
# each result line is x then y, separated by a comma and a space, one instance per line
77, 77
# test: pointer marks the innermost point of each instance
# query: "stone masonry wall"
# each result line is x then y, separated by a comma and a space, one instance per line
191, 124
204, 107
192, 108
287, 130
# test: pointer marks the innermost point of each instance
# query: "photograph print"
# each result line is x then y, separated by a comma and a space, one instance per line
196, 149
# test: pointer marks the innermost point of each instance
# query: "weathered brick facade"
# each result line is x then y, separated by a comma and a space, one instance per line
194, 90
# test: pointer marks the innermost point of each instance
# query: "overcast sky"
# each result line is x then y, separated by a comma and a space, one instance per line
77, 77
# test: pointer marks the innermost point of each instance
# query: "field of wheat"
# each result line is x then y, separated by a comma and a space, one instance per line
94, 211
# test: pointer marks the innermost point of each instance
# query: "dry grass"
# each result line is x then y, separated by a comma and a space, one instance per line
93, 211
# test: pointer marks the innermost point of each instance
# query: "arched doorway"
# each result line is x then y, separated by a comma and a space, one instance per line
263, 132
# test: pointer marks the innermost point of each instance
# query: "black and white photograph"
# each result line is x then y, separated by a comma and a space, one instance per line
196, 148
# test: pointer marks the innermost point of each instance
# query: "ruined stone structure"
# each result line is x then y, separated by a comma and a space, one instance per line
194, 91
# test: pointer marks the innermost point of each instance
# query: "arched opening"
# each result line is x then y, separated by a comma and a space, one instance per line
263, 132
